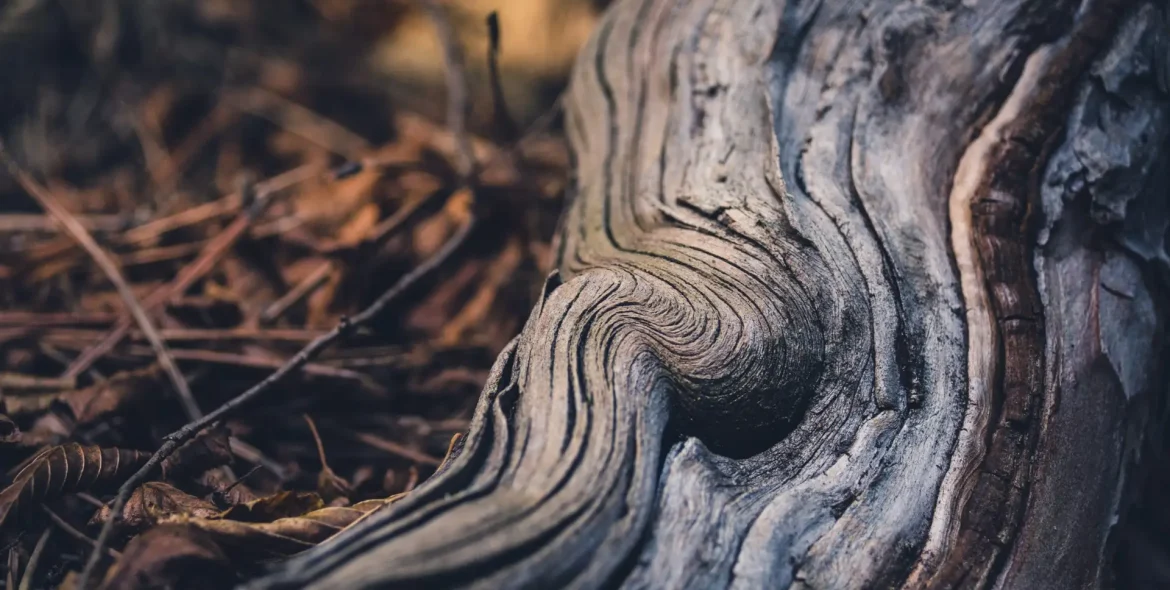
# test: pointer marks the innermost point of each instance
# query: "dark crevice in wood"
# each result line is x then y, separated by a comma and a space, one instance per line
1001, 214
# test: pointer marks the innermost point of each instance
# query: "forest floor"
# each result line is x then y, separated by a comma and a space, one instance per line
194, 192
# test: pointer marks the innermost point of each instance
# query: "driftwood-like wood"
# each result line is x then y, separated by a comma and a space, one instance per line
850, 295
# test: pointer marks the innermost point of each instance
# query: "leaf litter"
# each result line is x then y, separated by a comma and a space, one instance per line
253, 178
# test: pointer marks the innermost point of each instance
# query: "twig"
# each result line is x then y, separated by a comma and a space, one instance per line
255, 362
37, 320
24, 222
216, 248
500, 115
458, 104
317, 440
110, 269
34, 382
81, 335
240, 479
303, 121
194, 215
347, 326
26, 579
160, 254
211, 125
13, 563
73, 532
251, 454
302, 289
89, 499
405, 217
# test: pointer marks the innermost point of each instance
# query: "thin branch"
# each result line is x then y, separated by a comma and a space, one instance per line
216, 249
38, 320
38, 551
302, 121
458, 104
302, 289
187, 217
110, 269
503, 120
260, 362
317, 440
73, 532
347, 327
394, 448
26, 222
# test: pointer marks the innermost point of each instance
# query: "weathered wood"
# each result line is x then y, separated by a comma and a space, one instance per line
849, 295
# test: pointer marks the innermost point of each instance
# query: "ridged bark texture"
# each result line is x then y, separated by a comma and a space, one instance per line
849, 295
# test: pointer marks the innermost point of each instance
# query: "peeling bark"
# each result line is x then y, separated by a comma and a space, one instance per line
849, 295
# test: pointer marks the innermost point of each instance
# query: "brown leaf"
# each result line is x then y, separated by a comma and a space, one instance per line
68, 468
101, 399
227, 490
171, 556
154, 501
208, 450
280, 505
284, 536
96, 401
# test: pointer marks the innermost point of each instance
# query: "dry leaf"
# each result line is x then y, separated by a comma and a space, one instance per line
96, 401
284, 536
106, 397
228, 490
281, 505
68, 468
154, 501
208, 450
174, 557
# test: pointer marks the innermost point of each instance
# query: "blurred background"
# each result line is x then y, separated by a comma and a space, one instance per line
256, 170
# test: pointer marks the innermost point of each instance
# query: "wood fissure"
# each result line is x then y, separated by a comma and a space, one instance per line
1000, 232
804, 330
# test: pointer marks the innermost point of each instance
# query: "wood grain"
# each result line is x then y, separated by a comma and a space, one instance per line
849, 295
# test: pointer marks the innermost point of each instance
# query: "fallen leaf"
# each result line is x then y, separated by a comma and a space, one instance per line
172, 556
106, 397
270, 508
68, 468
94, 402
281, 537
208, 450
154, 501
227, 491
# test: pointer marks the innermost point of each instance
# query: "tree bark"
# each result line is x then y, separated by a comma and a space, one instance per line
849, 295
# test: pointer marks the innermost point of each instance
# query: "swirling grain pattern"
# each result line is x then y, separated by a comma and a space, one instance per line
791, 342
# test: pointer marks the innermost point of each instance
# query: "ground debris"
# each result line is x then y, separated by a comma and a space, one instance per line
255, 180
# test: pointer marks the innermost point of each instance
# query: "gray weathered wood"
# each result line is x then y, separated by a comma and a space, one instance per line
849, 295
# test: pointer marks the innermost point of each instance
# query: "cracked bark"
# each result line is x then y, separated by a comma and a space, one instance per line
849, 295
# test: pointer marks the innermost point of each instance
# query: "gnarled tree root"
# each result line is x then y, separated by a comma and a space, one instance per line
850, 295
